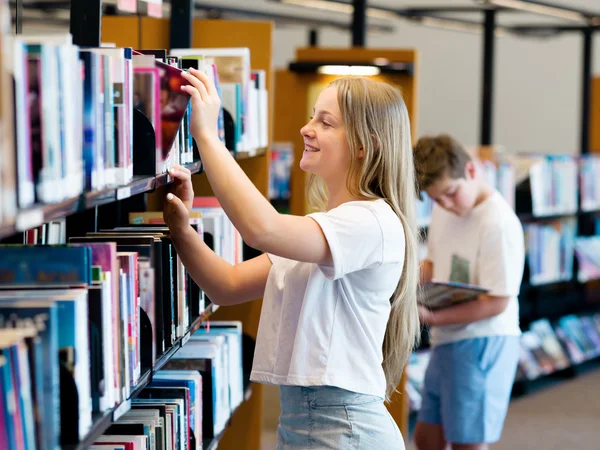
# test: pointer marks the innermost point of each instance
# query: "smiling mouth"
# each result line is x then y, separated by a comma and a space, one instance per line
308, 148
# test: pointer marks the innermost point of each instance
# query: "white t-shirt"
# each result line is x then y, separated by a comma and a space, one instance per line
323, 325
485, 248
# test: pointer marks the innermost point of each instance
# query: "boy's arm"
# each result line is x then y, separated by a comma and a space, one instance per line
482, 308
501, 260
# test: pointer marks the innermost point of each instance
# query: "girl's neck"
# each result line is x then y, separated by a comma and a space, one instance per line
338, 195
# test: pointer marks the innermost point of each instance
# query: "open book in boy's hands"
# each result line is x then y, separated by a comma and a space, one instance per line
438, 294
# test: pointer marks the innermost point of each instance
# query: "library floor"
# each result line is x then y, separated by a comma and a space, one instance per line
564, 416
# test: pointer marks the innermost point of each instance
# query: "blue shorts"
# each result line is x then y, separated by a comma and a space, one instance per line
326, 417
467, 388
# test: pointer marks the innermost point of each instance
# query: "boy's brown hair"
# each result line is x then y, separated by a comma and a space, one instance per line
436, 156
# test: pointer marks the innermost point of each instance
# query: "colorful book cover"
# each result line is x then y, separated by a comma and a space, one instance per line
43, 314
47, 265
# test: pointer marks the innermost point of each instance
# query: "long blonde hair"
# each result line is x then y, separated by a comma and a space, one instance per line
376, 121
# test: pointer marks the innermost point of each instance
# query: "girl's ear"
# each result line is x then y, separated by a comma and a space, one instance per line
361, 151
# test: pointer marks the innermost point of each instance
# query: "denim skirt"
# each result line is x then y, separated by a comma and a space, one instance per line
325, 417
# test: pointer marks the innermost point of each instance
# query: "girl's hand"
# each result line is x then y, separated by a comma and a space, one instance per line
182, 186
206, 104
178, 206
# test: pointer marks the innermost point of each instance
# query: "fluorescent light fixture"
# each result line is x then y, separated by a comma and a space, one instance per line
538, 8
363, 71
341, 7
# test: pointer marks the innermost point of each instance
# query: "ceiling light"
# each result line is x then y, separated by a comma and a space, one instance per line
363, 71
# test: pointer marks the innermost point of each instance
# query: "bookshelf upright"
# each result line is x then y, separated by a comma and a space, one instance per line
246, 424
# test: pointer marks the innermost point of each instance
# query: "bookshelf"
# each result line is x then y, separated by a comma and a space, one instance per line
595, 116
295, 94
245, 428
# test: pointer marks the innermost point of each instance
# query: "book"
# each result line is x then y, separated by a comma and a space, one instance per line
437, 294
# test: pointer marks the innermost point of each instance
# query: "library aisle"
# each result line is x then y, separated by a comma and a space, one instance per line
559, 417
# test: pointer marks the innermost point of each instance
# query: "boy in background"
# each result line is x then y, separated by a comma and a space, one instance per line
475, 238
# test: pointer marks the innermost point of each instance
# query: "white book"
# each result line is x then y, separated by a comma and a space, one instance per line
17, 66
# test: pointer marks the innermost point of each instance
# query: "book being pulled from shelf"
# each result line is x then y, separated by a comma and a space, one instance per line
73, 111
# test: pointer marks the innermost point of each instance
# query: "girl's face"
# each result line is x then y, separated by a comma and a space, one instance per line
326, 149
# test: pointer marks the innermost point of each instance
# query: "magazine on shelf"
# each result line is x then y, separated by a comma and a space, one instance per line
443, 294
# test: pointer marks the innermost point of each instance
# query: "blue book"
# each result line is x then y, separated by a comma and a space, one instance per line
8, 393
41, 313
93, 117
45, 265
17, 313
74, 353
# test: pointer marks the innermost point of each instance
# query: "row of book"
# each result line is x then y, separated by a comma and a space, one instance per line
188, 401
555, 184
105, 307
545, 349
73, 112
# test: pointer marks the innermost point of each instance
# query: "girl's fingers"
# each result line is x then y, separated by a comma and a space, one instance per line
195, 82
203, 78
180, 173
196, 96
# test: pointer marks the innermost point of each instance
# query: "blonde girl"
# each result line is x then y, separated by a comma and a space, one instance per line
339, 317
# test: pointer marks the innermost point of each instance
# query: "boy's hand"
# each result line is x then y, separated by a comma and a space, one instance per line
206, 104
425, 315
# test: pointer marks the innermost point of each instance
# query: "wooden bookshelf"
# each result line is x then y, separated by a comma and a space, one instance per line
294, 95
245, 428
595, 117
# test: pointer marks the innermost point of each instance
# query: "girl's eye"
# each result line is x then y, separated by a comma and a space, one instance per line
326, 124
